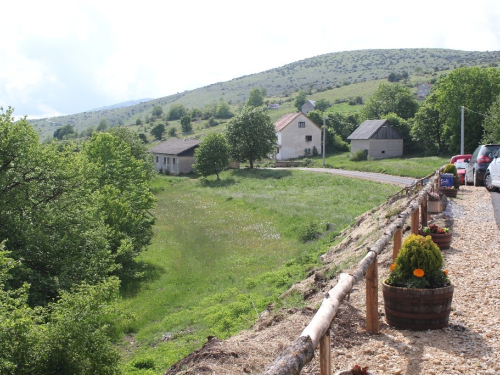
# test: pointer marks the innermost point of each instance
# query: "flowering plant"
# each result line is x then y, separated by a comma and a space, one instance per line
419, 264
357, 370
434, 196
435, 229
447, 187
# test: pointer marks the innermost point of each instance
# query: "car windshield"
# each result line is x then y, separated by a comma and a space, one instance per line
490, 149
461, 164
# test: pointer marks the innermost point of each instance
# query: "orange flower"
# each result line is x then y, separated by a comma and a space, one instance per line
445, 272
419, 272
392, 267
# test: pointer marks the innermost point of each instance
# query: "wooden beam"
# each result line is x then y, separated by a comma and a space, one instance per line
372, 323
325, 359
415, 221
398, 241
423, 215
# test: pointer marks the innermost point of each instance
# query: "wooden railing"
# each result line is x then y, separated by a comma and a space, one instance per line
301, 351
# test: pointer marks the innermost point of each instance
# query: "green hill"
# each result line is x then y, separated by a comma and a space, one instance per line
334, 76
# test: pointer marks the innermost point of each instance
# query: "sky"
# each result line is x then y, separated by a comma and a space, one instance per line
66, 57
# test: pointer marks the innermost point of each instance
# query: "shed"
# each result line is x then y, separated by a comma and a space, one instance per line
379, 138
175, 156
308, 106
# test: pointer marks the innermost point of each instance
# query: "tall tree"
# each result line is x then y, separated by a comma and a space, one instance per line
251, 135
491, 123
322, 105
157, 111
428, 126
176, 111
186, 124
158, 131
255, 98
391, 98
212, 156
300, 99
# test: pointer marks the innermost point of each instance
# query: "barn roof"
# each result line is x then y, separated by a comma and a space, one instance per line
174, 146
368, 128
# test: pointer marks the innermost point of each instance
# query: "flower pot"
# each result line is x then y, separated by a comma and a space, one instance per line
417, 309
452, 193
434, 207
443, 240
348, 372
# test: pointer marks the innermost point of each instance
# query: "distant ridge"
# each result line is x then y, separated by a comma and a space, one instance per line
122, 105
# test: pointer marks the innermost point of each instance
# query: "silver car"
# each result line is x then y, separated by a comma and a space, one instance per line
492, 175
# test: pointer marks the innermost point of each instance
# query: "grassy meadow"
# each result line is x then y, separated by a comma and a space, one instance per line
224, 250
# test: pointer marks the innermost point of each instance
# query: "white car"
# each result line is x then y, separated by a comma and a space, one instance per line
492, 175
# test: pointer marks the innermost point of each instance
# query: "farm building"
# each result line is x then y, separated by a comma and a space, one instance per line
379, 138
297, 136
174, 156
308, 106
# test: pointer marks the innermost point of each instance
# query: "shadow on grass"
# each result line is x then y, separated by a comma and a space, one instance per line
146, 272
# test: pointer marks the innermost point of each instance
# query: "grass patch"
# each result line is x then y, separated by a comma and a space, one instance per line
223, 250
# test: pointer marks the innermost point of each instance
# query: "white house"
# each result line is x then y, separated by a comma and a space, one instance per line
174, 156
379, 138
424, 90
297, 136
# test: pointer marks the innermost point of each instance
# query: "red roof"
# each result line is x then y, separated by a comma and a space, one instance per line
285, 120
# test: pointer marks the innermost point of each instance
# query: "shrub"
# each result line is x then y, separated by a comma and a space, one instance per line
451, 168
360, 155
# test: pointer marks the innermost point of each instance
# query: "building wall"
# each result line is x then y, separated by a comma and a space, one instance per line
307, 107
292, 139
173, 164
379, 148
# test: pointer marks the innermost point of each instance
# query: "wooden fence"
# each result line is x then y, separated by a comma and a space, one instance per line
301, 351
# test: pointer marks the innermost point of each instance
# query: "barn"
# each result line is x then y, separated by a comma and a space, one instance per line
379, 138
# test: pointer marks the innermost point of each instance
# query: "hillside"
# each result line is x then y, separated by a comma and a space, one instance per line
323, 76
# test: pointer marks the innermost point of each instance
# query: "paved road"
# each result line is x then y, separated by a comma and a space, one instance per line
395, 180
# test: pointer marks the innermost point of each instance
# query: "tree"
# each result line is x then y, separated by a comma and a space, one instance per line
65, 132
212, 156
138, 121
158, 131
251, 135
157, 111
391, 98
300, 99
223, 110
103, 125
186, 124
176, 111
428, 126
491, 123
172, 132
322, 105
255, 98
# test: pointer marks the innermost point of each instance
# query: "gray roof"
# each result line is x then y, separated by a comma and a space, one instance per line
367, 129
174, 146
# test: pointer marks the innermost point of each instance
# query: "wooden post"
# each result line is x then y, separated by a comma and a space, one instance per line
414, 222
372, 324
423, 216
398, 241
325, 362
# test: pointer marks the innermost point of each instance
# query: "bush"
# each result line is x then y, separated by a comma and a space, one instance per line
360, 155
451, 168
309, 232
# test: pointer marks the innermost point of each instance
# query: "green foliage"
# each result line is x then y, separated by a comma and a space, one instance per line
157, 111
391, 98
322, 105
176, 112
251, 135
65, 132
450, 168
309, 232
138, 121
172, 132
491, 123
428, 126
212, 156
186, 124
418, 252
255, 98
158, 131
223, 110
359, 155
300, 99
103, 125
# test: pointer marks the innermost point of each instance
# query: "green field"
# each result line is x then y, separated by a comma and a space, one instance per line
223, 250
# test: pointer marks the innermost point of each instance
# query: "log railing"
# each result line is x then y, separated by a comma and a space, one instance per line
317, 333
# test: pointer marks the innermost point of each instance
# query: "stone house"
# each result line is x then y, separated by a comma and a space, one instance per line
297, 136
174, 156
379, 138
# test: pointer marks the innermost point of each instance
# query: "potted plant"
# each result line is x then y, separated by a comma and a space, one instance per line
452, 168
434, 203
449, 191
440, 235
356, 370
417, 293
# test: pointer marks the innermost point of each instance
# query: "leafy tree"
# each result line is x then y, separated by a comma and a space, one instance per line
251, 135
212, 122
255, 98
223, 110
212, 156
186, 124
172, 132
138, 121
300, 99
103, 125
158, 131
322, 105
176, 111
491, 123
428, 126
391, 98
341, 124
65, 132
143, 137
157, 111
474, 88
404, 127
196, 113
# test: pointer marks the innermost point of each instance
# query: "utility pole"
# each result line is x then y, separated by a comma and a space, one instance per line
462, 131
324, 140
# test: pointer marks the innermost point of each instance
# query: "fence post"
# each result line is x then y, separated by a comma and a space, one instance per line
415, 222
398, 241
325, 363
372, 324
423, 216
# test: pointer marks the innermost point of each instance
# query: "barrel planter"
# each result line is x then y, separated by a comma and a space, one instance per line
417, 309
443, 240
451, 193
433, 207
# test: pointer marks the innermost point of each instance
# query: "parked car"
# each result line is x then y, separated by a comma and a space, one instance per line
458, 157
492, 176
461, 161
481, 158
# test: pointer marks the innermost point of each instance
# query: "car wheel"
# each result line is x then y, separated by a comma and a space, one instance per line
488, 184
476, 180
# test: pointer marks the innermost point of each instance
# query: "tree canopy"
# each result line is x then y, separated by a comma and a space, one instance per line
251, 135
255, 98
158, 131
212, 156
391, 98
300, 99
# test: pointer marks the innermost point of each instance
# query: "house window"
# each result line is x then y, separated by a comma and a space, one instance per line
157, 159
307, 151
277, 150
174, 160
309, 138
164, 160
302, 124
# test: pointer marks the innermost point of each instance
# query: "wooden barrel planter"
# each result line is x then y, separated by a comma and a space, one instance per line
443, 240
452, 193
417, 309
